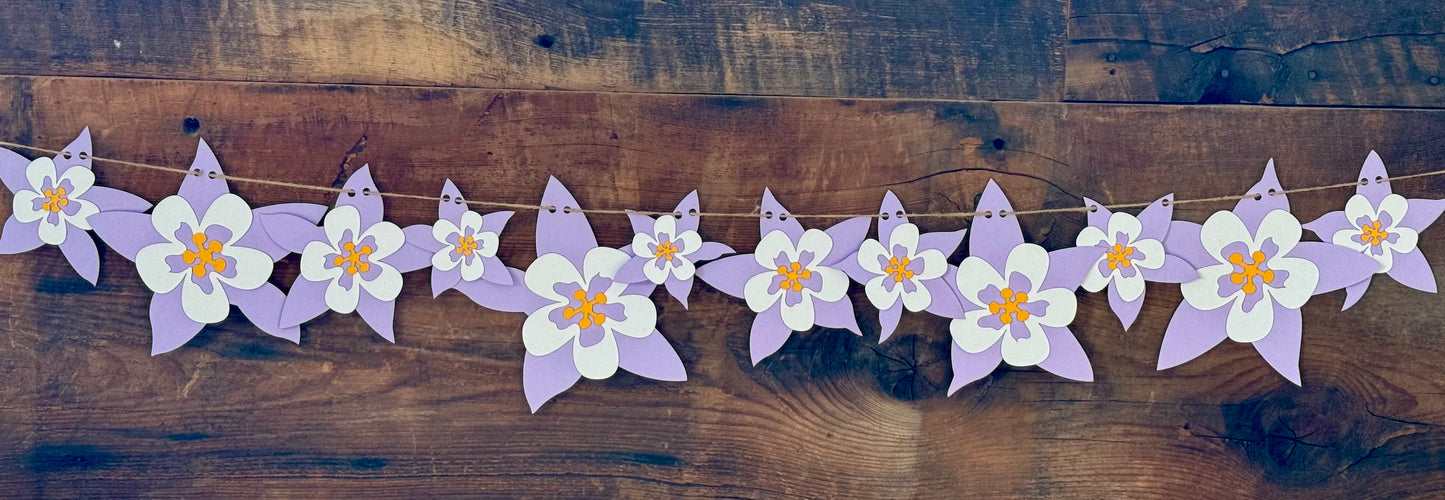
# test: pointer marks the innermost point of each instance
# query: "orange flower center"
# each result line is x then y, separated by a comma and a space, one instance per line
466, 245
55, 200
1251, 269
586, 314
898, 267
206, 258
1372, 234
793, 275
353, 258
1119, 256
665, 250
1009, 309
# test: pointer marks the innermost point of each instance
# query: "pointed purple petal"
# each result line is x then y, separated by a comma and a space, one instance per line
1339, 266
81, 144
115, 200
289, 232
19, 237
968, 368
125, 232
12, 170
892, 207
768, 334
1281, 346
202, 190
1127, 312
945, 298
854, 271
1252, 211
1354, 292
1191, 332
1328, 224
443, 280
263, 307
1372, 169
257, 238
789, 226
688, 207
836, 315
729, 274
888, 321
419, 236
559, 232
1422, 213
1183, 241
506, 298
495, 271
449, 209
943, 241
1412, 270
409, 258
544, 377
631, 272
304, 302
1154, 219
994, 236
651, 357
1067, 267
170, 328
1174, 270
641, 224
1066, 357
80, 250
679, 289
710, 250
379, 314
370, 206
1099, 217
310, 211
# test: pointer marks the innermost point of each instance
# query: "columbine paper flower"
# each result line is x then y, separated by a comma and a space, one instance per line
462, 244
903, 269
353, 262
54, 202
1385, 226
1018, 300
1133, 253
666, 250
201, 251
792, 279
1254, 275
582, 322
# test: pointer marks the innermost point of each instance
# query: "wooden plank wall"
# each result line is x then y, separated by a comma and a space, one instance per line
633, 104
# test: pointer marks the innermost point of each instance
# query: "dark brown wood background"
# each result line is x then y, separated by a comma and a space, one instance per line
633, 104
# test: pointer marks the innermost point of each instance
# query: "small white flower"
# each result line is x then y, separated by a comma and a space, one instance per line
466, 246
899, 269
1377, 232
1125, 257
1252, 273
352, 256
1011, 307
794, 277
588, 309
202, 256
55, 201
669, 250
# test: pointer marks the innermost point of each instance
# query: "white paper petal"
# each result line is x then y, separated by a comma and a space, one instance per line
869, 254
970, 337
473, 271
759, 292
23, 206
81, 219
817, 242
1299, 286
682, 268
1203, 293
657, 274
38, 171
1030, 260
906, 236
1130, 288
540, 336
1120, 222
486, 244
1028, 351
1063, 305
313, 262
1222, 229
202, 307
975, 275
447, 259
773, 244
1359, 206
691, 242
338, 222
150, 263
52, 234
472, 220
1095, 280
253, 268
1153, 251
642, 245
917, 300
664, 228
1091, 236
799, 316
641, 315
340, 299
548, 270
388, 236
1253, 325
835, 284
171, 214
935, 263
387, 285
598, 361
231, 212
1283, 228
878, 295
445, 232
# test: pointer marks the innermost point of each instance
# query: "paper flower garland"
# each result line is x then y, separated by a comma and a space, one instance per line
353, 262
1133, 253
1254, 275
792, 279
462, 244
665, 250
54, 202
903, 269
1018, 300
585, 323
201, 251
1385, 226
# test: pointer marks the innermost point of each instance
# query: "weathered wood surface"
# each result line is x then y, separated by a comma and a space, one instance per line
849, 48
87, 412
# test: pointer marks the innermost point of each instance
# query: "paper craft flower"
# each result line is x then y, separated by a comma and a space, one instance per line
1385, 226
1254, 275
903, 269
462, 244
54, 202
353, 262
201, 251
582, 321
792, 279
666, 250
1018, 300
1133, 253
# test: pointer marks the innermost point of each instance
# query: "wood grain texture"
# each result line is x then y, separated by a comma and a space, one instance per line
1350, 52
847, 48
236, 413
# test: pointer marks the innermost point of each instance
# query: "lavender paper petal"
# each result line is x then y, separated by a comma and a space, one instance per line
506, 298
379, 314
170, 327
631, 272
114, 200
12, 170
19, 237
1339, 266
289, 232
544, 377
1127, 312
945, 299
768, 334
1154, 219
304, 302
1066, 357
201, 190
125, 232
641, 224
263, 307
1252, 211
710, 250
1174, 270
836, 315
643, 288
368, 205
1098, 218
1184, 241
257, 238
81, 144
687, 222
995, 236
968, 368
1281, 346
441, 280
651, 357
1411, 269
80, 250
854, 271
1067, 267
449, 209
310, 211
892, 207
1328, 224
1374, 192
729, 274
496, 221
1422, 213
1354, 292
409, 258
789, 226
943, 241
1191, 332
419, 236
888, 321
495, 271
679, 289
559, 232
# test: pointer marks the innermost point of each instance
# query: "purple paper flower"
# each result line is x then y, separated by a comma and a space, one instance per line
1254, 275
1385, 226
1133, 253
1018, 300
582, 321
353, 262
200, 252
55, 201
792, 279
904, 269
666, 250
462, 243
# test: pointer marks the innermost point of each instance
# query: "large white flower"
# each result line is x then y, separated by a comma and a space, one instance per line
351, 259
1011, 307
1125, 257
669, 250
899, 269
1253, 272
465, 246
587, 309
1377, 232
794, 277
200, 255
55, 201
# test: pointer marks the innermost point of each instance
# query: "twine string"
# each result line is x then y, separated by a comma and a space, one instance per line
752, 215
